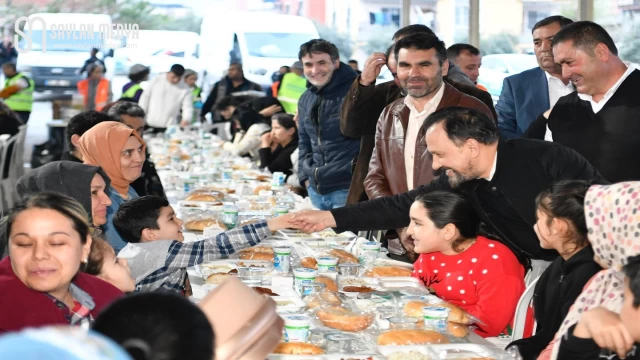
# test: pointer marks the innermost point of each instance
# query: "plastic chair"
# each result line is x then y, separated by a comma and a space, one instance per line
520, 318
537, 268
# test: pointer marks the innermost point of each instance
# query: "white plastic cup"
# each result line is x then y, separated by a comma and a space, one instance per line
303, 276
436, 318
369, 252
282, 258
296, 327
327, 264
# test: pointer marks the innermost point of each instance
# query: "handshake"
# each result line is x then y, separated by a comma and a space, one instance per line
308, 221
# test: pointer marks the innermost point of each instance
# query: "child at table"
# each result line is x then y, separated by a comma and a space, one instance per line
155, 252
561, 226
481, 276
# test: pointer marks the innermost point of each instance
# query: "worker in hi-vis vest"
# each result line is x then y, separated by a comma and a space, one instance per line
17, 92
190, 78
132, 90
292, 86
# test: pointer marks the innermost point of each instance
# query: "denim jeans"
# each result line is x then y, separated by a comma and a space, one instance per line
328, 201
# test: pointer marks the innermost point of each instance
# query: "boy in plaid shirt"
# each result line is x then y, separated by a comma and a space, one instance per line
155, 252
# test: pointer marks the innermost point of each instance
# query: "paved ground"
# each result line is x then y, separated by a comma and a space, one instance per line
37, 130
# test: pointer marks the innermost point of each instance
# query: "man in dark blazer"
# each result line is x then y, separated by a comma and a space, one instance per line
501, 178
530, 93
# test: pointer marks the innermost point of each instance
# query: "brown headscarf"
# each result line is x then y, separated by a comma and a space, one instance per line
102, 146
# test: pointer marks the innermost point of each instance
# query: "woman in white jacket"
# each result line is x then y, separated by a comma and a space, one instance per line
249, 124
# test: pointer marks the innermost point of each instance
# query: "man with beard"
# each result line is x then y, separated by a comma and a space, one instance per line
501, 178
325, 155
400, 160
530, 93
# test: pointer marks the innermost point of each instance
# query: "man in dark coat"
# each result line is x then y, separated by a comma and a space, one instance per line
325, 155
501, 178
232, 83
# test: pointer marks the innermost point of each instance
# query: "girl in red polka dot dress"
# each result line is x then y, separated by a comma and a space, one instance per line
479, 275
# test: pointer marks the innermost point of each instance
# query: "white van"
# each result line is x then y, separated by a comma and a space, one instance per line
262, 42
57, 68
159, 49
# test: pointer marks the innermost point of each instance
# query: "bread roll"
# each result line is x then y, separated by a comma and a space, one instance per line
257, 253
344, 257
324, 298
342, 319
387, 271
457, 330
414, 308
257, 190
297, 348
329, 284
185, 157
411, 337
264, 178
217, 278
309, 263
200, 225
204, 197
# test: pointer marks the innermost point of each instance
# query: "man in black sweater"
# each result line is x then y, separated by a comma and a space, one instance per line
600, 119
501, 178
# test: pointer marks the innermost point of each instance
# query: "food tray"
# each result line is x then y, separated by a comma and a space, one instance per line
357, 281
206, 205
288, 304
461, 351
324, 357
388, 350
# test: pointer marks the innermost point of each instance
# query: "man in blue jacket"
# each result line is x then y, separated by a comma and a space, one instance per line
530, 93
326, 157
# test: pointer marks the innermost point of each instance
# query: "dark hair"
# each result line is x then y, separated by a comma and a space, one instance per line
565, 200
235, 63
456, 49
631, 271
561, 20
99, 248
353, 61
446, 207
138, 214
287, 67
177, 69
286, 121
158, 325
462, 124
125, 108
82, 122
422, 42
9, 65
412, 29
389, 51
64, 205
586, 35
141, 75
230, 100
319, 46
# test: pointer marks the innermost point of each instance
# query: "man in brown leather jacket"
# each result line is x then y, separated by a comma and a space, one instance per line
365, 102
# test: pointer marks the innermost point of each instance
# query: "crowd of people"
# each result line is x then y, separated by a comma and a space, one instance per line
474, 195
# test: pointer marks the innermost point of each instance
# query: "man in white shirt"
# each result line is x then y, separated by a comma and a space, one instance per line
167, 100
400, 160
527, 95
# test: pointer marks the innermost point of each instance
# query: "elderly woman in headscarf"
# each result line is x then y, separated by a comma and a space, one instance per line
120, 152
83, 183
593, 322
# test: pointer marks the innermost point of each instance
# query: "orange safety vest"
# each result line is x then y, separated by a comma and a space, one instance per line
102, 92
274, 89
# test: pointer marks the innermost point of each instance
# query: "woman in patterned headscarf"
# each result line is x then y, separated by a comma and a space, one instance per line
613, 220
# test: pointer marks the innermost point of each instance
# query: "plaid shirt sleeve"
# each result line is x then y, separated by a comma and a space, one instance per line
183, 255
